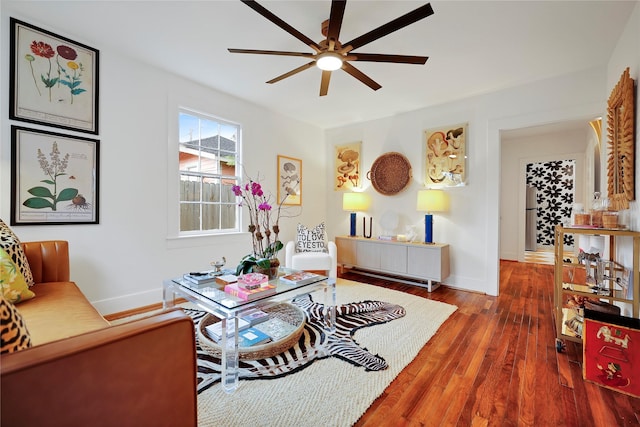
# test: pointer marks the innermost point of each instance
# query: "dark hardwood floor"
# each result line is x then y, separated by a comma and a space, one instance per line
494, 363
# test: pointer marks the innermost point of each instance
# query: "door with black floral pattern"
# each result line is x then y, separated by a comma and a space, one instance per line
555, 184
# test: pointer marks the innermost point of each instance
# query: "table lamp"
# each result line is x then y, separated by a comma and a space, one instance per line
431, 201
354, 202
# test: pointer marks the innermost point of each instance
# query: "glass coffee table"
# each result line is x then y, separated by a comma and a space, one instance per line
212, 298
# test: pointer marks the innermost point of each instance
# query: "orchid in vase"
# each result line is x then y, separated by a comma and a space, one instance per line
263, 226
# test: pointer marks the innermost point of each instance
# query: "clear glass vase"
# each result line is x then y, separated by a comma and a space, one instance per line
272, 271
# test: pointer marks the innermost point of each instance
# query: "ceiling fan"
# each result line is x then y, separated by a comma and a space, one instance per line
330, 54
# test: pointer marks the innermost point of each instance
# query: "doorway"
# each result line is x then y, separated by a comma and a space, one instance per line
552, 160
550, 196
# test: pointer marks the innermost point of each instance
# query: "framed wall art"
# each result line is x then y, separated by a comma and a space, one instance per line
289, 180
54, 80
621, 143
445, 156
347, 164
54, 178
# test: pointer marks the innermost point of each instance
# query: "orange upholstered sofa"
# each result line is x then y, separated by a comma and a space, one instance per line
82, 371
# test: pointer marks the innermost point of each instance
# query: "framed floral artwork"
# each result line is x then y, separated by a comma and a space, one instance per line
445, 156
347, 164
289, 180
54, 178
53, 80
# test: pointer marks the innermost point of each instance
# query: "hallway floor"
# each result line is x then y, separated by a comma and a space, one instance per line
541, 256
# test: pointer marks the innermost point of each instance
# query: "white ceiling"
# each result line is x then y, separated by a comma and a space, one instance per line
474, 47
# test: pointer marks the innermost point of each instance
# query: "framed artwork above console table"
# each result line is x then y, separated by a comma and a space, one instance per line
445, 156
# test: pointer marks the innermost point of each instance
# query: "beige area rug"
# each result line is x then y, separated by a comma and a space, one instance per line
331, 392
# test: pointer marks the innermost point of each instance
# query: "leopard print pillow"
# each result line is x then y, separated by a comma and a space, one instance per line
14, 334
11, 245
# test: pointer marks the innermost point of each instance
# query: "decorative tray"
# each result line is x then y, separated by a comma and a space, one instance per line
390, 173
291, 320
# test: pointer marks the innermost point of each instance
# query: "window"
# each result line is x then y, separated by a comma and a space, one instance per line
208, 155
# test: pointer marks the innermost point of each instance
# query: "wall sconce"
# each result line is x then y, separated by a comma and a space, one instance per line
355, 202
431, 201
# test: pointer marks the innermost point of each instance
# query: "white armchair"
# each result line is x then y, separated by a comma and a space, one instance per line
326, 261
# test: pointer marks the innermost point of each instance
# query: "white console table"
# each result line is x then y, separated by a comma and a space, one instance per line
418, 261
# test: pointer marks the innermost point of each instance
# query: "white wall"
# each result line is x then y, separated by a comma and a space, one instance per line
516, 153
627, 54
471, 227
121, 262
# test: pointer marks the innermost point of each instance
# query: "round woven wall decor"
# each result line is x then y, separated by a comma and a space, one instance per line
390, 173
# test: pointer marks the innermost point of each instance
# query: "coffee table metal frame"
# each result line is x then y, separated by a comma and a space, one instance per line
212, 299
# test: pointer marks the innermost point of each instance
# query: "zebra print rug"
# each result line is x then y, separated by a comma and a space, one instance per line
314, 343
330, 391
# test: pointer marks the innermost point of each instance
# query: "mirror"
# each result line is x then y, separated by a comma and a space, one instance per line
620, 133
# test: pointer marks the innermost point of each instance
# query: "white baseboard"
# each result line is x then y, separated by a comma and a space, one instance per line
128, 302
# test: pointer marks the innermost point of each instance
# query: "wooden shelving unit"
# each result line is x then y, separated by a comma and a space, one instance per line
563, 290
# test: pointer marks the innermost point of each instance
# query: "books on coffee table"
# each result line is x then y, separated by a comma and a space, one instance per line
301, 278
276, 328
252, 280
199, 278
255, 316
252, 336
215, 329
264, 290
226, 279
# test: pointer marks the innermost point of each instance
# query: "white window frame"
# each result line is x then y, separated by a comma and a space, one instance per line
173, 184
199, 175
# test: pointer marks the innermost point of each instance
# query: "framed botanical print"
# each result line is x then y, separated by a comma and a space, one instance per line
54, 178
53, 80
289, 181
445, 155
347, 164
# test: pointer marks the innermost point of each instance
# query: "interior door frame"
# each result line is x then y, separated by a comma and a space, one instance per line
494, 142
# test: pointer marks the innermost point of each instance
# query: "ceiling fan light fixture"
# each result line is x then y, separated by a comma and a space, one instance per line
329, 61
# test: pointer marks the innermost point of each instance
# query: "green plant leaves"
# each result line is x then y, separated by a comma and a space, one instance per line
49, 83
248, 261
40, 192
264, 263
67, 194
38, 203
272, 250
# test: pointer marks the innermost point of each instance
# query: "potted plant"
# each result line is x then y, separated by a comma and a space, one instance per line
264, 229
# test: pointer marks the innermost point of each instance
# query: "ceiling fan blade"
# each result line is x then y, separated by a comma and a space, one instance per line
292, 72
388, 28
335, 20
377, 57
360, 76
272, 52
280, 23
324, 83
